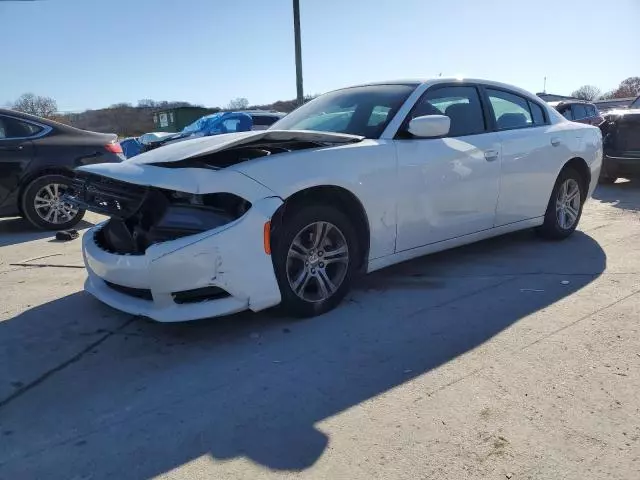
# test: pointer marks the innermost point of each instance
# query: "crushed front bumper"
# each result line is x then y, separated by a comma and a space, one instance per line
231, 258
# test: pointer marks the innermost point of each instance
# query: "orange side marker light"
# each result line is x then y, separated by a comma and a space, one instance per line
267, 238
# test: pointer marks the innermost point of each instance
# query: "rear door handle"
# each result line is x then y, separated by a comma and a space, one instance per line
555, 141
491, 155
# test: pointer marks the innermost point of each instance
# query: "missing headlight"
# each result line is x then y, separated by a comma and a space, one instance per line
168, 215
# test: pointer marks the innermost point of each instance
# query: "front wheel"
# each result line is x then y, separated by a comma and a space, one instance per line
565, 206
315, 257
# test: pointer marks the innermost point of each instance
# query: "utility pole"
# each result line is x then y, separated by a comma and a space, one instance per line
544, 88
296, 32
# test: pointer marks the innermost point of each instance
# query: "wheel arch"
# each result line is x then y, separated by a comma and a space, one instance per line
580, 166
339, 197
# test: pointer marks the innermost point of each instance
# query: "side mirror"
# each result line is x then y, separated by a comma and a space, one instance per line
429, 126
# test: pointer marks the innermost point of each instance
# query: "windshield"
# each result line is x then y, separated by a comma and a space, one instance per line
362, 111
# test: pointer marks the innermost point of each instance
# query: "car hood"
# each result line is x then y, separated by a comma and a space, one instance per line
207, 145
198, 172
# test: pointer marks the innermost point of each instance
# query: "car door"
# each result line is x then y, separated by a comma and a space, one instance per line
448, 187
16, 151
531, 152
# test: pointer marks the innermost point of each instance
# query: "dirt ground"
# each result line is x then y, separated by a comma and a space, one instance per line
512, 358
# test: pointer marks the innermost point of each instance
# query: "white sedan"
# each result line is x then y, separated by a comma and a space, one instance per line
356, 180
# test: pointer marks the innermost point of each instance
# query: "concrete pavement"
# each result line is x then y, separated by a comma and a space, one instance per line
481, 362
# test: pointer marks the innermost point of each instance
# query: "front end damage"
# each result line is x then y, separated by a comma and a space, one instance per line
186, 232
173, 255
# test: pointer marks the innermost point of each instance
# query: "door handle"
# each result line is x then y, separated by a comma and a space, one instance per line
491, 155
555, 141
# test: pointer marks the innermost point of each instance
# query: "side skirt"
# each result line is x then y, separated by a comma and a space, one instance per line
382, 262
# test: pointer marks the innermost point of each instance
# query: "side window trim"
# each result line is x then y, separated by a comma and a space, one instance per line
45, 129
492, 115
438, 86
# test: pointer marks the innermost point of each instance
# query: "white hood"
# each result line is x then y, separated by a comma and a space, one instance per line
206, 145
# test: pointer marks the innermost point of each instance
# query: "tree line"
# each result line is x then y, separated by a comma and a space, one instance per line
126, 119
629, 87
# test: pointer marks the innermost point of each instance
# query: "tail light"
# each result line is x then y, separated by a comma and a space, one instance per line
113, 148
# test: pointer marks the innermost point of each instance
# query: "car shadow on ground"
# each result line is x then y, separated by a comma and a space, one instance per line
18, 230
257, 385
623, 194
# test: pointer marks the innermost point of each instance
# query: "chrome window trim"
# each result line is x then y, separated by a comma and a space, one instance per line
45, 129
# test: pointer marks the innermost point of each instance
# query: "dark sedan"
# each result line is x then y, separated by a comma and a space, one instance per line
37, 158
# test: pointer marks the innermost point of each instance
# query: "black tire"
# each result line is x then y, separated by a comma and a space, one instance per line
292, 225
551, 228
28, 208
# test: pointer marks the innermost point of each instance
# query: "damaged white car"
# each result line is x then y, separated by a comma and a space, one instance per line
353, 181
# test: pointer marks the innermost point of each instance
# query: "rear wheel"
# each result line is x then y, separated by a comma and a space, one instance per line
43, 207
565, 206
315, 257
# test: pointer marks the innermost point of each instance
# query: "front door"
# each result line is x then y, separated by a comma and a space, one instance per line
448, 187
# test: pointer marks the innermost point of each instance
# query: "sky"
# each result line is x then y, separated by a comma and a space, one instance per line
94, 53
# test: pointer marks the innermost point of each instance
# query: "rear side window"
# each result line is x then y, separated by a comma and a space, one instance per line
579, 111
14, 128
591, 110
537, 114
510, 110
566, 113
461, 104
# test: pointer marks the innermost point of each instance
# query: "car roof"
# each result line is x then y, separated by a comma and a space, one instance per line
438, 80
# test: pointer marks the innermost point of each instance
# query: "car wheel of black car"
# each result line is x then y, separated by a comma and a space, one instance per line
315, 257
43, 206
565, 206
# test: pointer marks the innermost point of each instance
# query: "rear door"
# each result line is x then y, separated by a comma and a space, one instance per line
16, 151
531, 153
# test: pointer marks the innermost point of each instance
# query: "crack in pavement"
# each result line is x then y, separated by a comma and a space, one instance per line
78, 356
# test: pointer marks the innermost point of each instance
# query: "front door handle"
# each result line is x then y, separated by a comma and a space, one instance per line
491, 155
555, 141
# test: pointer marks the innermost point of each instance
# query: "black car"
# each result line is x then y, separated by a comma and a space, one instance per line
621, 144
37, 158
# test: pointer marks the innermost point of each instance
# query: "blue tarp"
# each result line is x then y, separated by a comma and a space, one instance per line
214, 124
131, 147
217, 123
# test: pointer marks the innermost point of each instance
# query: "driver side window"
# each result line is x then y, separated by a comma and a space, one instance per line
460, 103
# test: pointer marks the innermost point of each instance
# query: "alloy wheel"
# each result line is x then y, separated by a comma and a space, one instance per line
568, 204
50, 207
317, 261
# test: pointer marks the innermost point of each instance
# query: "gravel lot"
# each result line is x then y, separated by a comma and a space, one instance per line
512, 358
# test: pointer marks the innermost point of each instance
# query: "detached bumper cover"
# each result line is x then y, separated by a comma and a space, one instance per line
231, 257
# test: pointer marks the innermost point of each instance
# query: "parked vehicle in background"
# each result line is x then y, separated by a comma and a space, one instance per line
578, 111
621, 144
37, 158
355, 180
213, 124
